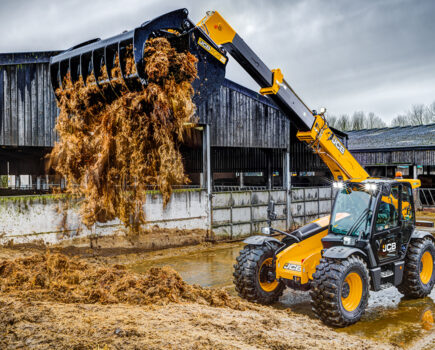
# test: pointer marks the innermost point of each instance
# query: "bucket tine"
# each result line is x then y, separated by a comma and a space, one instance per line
85, 66
75, 68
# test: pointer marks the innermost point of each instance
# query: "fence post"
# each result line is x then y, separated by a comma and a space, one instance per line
286, 179
207, 176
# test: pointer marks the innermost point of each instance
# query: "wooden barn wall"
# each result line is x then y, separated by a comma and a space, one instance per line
230, 159
240, 120
417, 157
27, 106
302, 157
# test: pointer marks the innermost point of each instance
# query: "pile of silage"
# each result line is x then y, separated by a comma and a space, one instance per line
56, 277
112, 150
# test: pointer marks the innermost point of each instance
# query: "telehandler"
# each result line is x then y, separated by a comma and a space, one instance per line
369, 242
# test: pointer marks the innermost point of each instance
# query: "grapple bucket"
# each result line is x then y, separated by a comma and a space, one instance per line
94, 60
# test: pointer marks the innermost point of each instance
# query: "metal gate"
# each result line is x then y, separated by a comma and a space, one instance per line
426, 197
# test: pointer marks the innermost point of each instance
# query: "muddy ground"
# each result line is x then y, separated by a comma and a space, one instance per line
49, 325
64, 312
41, 316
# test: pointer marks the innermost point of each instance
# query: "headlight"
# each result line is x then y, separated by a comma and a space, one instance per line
371, 187
338, 185
348, 240
265, 230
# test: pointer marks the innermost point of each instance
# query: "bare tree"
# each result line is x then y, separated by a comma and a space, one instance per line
400, 120
429, 116
358, 121
416, 114
343, 123
332, 121
373, 121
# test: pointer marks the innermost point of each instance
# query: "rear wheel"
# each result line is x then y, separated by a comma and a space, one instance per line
340, 291
419, 274
254, 276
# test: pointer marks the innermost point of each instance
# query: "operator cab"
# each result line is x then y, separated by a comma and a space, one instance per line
375, 212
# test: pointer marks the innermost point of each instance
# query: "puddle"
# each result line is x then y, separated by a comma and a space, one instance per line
389, 317
210, 268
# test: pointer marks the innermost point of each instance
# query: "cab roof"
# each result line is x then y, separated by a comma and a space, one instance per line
415, 183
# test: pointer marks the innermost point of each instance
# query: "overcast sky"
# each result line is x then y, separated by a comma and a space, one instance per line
346, 55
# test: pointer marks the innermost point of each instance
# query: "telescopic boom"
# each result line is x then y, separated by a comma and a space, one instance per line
312, 128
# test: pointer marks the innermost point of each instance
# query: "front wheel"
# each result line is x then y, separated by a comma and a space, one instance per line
254, 276
419, 274
340, 291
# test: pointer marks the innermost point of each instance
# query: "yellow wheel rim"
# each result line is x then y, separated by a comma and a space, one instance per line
264, 284
426, 267
352, 291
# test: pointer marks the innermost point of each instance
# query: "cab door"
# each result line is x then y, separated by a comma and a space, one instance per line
408, 216
387, 229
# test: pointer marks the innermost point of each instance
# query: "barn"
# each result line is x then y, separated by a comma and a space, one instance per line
242, 153
408, 149
248, 142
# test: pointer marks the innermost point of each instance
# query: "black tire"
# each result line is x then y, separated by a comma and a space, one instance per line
328, 290
247, 270
412, 285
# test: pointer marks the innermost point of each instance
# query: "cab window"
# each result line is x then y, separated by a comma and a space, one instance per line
407, 210
407, 213
388, 213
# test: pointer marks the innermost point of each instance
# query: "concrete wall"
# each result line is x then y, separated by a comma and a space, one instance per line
233, 215
308, 204
29, 218
238, 214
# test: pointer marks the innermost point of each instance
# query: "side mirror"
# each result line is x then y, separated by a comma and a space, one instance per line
271, 215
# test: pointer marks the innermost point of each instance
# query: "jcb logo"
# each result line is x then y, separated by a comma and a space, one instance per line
204, 45
338, 144
390, 247
212, 51
292, 267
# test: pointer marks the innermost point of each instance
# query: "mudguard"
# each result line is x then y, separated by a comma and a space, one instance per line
421, 234
341, 252
260, 240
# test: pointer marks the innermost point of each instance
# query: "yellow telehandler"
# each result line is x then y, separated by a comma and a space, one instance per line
369, 242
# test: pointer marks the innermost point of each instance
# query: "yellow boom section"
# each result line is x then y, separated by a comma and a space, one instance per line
331, 150
214, 25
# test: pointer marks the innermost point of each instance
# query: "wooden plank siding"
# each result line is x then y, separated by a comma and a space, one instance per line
417, 157
27, 105
240, 118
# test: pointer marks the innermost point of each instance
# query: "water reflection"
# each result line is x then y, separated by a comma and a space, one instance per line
403, 324
211, 268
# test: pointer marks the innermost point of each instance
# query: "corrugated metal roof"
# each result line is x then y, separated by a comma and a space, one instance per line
405, 137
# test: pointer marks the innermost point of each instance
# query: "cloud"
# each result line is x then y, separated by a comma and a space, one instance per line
345, 55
